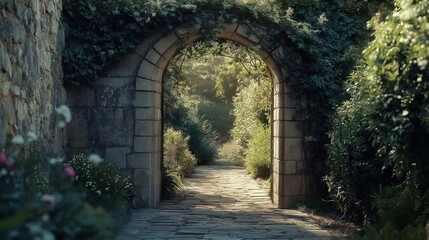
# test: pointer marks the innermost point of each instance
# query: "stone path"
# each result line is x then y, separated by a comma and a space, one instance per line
221, 201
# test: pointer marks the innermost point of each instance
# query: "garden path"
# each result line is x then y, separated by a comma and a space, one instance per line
221, 201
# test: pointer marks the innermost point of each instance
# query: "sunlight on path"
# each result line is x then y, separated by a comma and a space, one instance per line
221, 201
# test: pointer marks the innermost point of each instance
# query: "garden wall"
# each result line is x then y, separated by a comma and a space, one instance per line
31, 42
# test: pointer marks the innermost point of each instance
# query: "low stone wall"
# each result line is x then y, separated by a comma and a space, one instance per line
31, 43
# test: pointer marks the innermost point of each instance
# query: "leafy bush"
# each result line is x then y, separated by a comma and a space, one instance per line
389, 106
251, 106
46, 205
201, 137
258, 155
104, 183
172, 182
232, 151
218, 115
177, 156
354, 171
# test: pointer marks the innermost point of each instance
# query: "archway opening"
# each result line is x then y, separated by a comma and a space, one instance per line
217, 104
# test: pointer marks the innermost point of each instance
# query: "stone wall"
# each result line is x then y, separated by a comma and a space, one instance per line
31, 42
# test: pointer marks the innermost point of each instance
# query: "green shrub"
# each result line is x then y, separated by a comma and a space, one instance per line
389, 107
258, 155
354, 171
232, 151
201, 137
251, 106
218, 115
402, 213
177, 156
172, 182
47, 205
104, 183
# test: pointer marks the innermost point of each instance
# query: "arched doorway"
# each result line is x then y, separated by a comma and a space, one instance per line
122, 112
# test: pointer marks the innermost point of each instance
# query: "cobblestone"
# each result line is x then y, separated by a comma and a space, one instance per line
221, 201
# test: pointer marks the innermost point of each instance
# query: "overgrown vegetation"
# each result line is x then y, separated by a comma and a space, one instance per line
378, 154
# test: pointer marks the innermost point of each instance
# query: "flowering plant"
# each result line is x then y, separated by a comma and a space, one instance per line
40, 197
103, 182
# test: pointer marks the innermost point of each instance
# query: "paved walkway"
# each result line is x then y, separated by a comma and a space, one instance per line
221, 201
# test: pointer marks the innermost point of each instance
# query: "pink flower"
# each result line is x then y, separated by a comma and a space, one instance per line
4, 160
69, 171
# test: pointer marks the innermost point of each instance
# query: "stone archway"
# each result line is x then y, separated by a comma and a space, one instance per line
126, 108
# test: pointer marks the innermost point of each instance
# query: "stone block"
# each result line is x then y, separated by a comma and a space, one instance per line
229, 27
242, 40
147, 100
125, 67
143, 84
289, 167
293, 149
277, 150
290, 201
80, 97
142, 177
115, 82
292, 185
115, 126
148, 114
279, 54
144, 144
81, 119
147, 128
293, 129
143, 48
139, 160
152, 56
276, 128
254, 38
148, 70
142, 198
243, 31
291, 101
117, 156
291, 114
166, 42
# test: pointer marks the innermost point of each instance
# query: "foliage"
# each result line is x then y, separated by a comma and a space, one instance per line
201, 141
176, 153
389, 106
219, 116
354, 172
51, 207
172, 182
258, 155
251, 108
398, 61
104, 183
233, 151
403, 213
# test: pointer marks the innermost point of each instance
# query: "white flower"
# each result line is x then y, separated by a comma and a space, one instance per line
61, 124
32, 136
65, 112
99, 192
56, 160
3, 172
18, 139
95, 159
